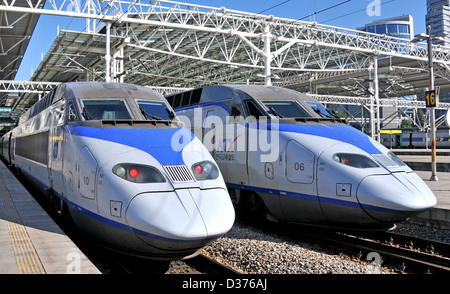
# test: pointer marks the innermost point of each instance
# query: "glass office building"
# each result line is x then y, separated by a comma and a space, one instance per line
438, 17
399, 27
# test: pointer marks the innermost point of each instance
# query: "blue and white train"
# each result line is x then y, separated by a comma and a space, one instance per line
116, 159
283, 154
416, 139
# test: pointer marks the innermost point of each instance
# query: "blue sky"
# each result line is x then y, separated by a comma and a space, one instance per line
347, 14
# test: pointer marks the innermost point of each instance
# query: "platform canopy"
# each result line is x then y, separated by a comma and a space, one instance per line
16, 29
177, 45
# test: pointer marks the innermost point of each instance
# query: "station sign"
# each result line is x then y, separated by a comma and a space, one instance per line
431, 98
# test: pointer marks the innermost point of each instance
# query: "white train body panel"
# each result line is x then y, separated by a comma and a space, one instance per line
296, 177
171, 213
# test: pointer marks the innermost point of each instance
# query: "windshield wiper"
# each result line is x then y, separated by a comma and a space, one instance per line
274, 112
87, 115
149, 115
171, 114
324, 115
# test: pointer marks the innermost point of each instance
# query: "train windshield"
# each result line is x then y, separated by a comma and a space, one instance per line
155, 110
289, 109
105, 109
320, 109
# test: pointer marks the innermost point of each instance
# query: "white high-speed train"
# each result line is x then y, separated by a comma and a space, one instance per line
281, 153
116, 159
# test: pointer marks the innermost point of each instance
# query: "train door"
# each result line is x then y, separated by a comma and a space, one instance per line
10, 148
55, 157
398, 140
87, 168
301, 174
209, 124
234, 147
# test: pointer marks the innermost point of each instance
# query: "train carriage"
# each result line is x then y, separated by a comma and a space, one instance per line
115, 158
284, 155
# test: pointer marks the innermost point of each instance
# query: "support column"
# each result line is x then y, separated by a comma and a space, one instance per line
372, 104
374, 101
108, 53
121, 67
377, 98
432, 109
267, 56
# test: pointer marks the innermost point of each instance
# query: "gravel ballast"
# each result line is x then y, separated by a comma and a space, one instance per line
252, 252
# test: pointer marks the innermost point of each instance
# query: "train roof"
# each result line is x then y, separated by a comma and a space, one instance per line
259, 92
101, 90
90, 90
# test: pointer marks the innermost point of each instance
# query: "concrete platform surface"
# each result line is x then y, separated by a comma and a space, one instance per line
30, 241
439, 215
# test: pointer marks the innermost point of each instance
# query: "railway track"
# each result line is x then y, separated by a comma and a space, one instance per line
415, 254
407, 254
420, 254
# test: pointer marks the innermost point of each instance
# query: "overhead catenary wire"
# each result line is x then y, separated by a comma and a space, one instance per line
270, 8
323, 10
360, 10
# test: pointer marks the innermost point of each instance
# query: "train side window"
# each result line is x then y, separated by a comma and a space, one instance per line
176, 101
185, 98
253, 110
196, 95
236, 115
236, 110
170, 100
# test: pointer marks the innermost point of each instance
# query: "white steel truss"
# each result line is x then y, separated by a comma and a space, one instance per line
205, 37
239, 29
7, 86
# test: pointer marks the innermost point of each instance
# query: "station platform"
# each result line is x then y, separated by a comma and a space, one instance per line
439, 215
30, 241
420, 161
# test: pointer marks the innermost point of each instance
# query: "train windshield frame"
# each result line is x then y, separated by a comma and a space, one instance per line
286, 108
105, 109
157, 110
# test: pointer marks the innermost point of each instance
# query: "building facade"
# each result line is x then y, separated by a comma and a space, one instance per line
438, 17
399, 27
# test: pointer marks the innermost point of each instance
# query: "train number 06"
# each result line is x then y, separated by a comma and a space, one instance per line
299, 166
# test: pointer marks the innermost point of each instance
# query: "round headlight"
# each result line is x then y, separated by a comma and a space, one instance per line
205, 170
120, 171
138, 173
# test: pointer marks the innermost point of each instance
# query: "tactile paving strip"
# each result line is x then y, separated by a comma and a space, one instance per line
27, 259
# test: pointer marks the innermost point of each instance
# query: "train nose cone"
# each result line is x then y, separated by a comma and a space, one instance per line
169, 220
395, 197
180, 220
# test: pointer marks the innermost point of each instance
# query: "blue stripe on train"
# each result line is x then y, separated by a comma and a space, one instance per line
165, 145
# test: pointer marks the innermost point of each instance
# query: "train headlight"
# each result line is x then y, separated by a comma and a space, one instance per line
205, 170
138, 173
355, 160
